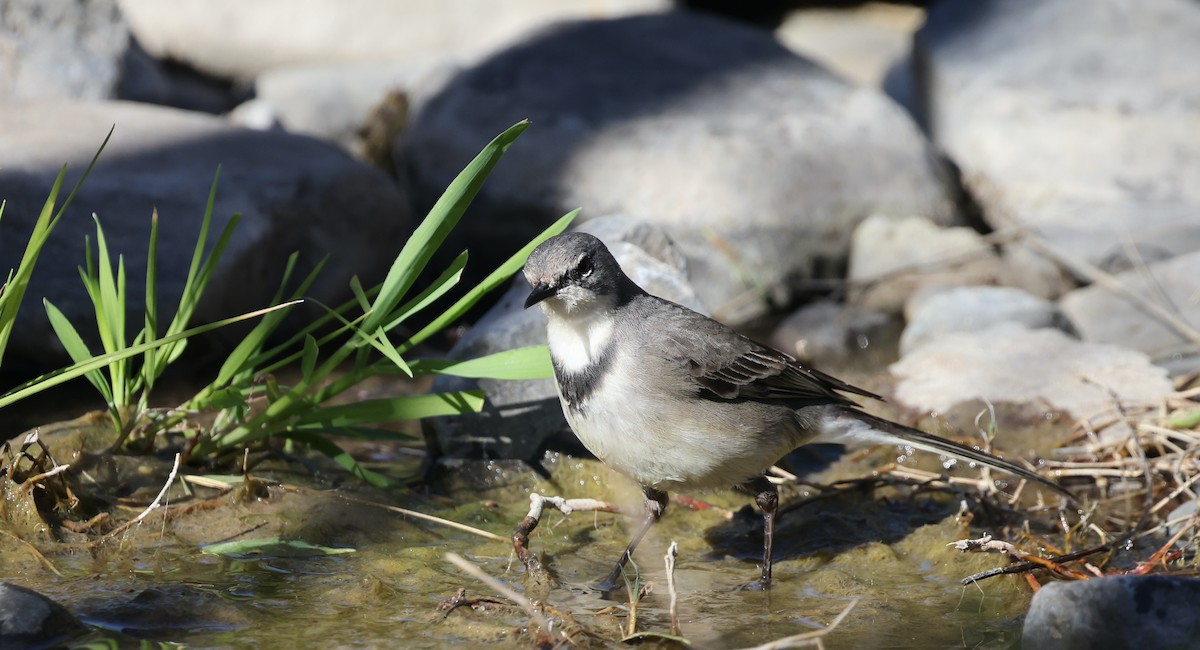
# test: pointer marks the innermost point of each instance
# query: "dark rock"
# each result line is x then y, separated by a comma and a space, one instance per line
30, 620
293, 193
831, 334
1115, 612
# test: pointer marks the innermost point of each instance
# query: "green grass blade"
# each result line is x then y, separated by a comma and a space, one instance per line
150, 362
495, 279
76, 348
438, 288
414, 407
309, 361
79, 369
18, 282
360, 296
531, 362
248, 356
433, 230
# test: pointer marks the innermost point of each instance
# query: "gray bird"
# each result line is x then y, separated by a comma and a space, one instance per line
677, 401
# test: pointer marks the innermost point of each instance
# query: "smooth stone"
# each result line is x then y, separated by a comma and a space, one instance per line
1038, 370
974, 309
61, 49
240, 40
31, 620
892, 258
828, 333
1158, 611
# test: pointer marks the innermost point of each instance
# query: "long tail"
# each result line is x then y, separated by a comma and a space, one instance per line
846, 424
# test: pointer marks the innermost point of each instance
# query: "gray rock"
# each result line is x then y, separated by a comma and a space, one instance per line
1027, 269
1038, 369
521, 418
891, 258
827, 333
709, 128
1107, 317
1114, 612
239, 40
974, 309
61, 49
31, 620
294, 194
1078, 119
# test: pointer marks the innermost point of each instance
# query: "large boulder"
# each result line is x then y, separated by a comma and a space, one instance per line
238, 40
1078, 119
757, 161
293, 194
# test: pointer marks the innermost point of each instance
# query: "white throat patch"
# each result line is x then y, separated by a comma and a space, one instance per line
576, 343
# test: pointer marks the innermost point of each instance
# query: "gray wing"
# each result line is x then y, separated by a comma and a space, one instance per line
728, 366
764, 374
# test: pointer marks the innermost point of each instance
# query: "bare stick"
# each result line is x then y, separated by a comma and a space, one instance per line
538, 503
34, 480
500, 588
808, 638
669, 558
36, 553
424, 517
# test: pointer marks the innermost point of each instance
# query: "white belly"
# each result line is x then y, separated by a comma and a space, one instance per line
669, 441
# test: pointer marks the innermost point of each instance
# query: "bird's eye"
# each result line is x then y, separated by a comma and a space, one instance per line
583, 267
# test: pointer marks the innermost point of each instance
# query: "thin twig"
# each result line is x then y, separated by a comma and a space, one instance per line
420, 515
538, 503
36, 553
669, 559
813, 638
34, 480
150, 508
500, 588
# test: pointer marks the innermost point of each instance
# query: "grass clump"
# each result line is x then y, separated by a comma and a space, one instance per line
244, 405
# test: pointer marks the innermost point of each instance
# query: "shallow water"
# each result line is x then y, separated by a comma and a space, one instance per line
887, 549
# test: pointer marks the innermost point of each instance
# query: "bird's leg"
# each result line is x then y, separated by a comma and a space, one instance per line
766, 495
656, 504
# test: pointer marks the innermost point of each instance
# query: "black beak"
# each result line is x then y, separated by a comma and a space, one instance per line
540, 292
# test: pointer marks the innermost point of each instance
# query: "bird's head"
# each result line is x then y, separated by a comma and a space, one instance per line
572, 272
